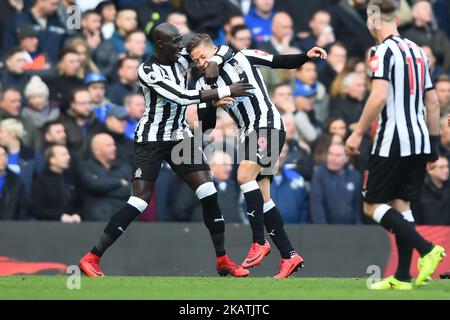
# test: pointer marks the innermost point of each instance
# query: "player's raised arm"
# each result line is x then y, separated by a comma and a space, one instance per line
283, 61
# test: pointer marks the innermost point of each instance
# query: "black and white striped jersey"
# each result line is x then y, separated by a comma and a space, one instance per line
250, 113
166, 98
402, 130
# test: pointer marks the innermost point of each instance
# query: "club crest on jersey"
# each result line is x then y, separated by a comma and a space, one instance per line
138, 173
182, 68
238, 69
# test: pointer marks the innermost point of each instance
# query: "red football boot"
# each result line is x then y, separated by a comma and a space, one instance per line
225, 266
289, 266
90, 265
256, 254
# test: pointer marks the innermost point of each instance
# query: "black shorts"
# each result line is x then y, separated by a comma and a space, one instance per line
394, 178
262, 146
183, 156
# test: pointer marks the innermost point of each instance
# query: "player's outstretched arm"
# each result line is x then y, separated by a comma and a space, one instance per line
283, 61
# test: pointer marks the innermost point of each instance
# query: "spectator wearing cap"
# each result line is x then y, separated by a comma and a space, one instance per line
13, 202
351, 104
116, 123
13, 73
433, 207
80, 123
22, 160
29, 42
95, 82
134, 103
65, 79
44, 17
108, 12
127, 81
259, 20
38, 111
306, 84
308, 126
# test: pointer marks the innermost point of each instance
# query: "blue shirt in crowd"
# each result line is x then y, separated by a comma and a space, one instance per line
261, 27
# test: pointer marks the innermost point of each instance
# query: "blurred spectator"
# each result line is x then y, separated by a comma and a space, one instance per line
136, 45
305, 83
445, 138
240, 38
232, 21
13, 73
349, 23
53, 132
206, 16
134, 103
108, 12
54, 192
301, 12
435, 69
298, 156
86, 64
308, 126
152, 13
127, 82
279, 41
13, 201
337, 126
103, 180
29, 43
179, 20
321, 32
91, 24
442, 86
335, 190
350, 106
283, 99
22, 160
322, 145
352, 65
80, 123
126, 21
10, 103
259, 20
433, 208
65, 79
116, 123
44, 17
337, 57
38, 111
289, 193
95, 83
8, 10
423, 33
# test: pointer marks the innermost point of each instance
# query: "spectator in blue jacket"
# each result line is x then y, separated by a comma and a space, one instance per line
259, 19
289, 193
335, 190
43, 16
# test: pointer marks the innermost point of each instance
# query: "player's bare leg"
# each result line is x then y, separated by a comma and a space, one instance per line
205, 190
140, 197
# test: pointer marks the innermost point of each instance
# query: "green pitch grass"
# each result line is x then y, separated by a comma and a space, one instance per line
211, 288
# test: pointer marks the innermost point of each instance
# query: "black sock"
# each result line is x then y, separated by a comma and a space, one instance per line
255, 203
276, 230
114, 229
215, 223
393, 221
404, 251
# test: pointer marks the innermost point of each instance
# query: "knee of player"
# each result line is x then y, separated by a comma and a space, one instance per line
369, 209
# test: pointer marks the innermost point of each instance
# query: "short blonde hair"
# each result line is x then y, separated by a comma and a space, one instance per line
13, 126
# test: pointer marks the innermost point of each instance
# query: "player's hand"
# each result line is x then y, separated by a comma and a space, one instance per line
241, 89
317, 52
224, 102
211, 72
353, 143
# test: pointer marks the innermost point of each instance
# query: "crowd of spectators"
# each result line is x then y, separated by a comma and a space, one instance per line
70, 101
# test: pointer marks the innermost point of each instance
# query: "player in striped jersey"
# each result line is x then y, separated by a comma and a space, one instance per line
261, 140
163, 134
405, 141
